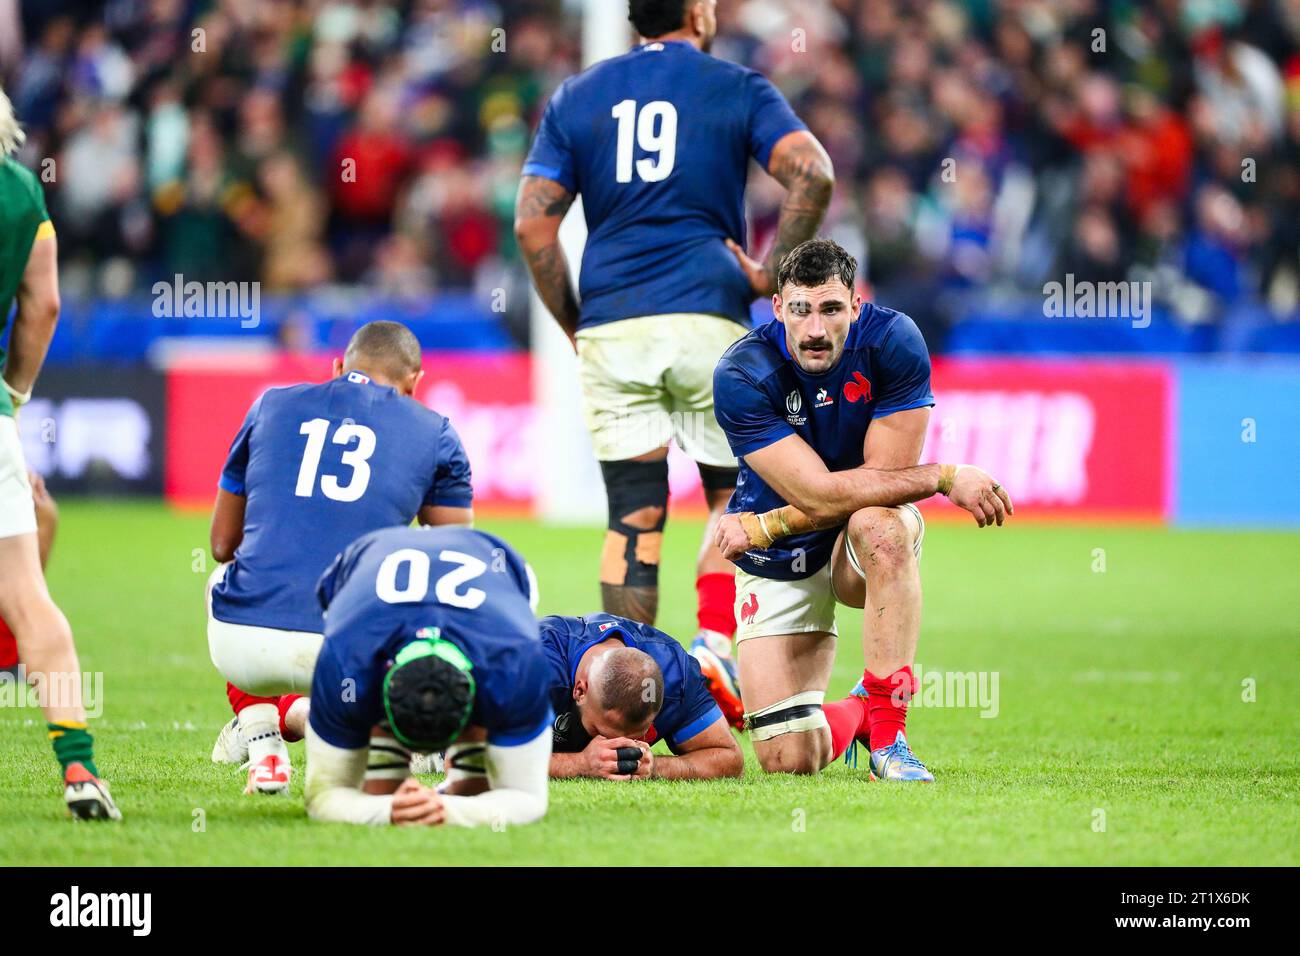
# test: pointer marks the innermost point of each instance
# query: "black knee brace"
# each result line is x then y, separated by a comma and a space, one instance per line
631, 555
718, 479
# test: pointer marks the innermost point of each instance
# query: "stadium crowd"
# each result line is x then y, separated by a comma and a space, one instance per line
980, 145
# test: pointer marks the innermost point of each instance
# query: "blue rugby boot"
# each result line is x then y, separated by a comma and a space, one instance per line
897, 762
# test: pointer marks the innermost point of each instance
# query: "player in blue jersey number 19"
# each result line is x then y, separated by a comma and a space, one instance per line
828, 408
658, 142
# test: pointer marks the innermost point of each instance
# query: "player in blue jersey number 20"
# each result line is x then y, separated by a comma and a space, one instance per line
827, 408
658, 142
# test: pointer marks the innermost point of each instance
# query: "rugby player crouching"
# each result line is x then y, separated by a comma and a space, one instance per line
827, 410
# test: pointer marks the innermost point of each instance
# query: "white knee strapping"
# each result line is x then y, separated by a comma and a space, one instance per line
388, 760
794, 715
465, 761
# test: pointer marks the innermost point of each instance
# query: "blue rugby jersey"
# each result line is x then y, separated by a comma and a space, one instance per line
761, 395
658, 143
687, 709
320, 465
389, 585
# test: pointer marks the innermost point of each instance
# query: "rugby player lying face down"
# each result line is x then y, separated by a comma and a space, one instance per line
618, 692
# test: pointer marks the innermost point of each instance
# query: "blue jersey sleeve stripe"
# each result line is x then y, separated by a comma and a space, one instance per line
229, 484
696, 726
517, 739
919, 403
548, 172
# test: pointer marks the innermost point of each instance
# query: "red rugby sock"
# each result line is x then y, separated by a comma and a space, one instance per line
8, 647
284, 703
887, 700
239, 700
717, 607
848, 718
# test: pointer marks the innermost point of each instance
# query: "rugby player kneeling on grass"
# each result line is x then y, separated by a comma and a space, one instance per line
312, 469
617, 686
827, 409
430, 642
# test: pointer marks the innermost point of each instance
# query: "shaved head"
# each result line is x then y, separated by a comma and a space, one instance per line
628, 682
388, 350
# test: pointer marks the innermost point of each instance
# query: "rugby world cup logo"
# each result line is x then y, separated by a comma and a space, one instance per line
793, 406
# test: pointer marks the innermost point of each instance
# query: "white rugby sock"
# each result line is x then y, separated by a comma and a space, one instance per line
259, 725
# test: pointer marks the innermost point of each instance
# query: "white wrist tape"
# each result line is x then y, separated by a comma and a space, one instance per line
19, 398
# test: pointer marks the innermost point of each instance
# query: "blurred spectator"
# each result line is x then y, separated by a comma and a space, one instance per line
978, 143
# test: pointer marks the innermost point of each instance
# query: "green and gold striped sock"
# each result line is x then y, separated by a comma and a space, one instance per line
73, 744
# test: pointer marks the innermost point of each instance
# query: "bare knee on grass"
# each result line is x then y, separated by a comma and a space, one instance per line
803, 753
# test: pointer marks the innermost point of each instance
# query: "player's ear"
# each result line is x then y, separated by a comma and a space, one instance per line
579, 690
413, 382
338, 367
776, 305
857, 306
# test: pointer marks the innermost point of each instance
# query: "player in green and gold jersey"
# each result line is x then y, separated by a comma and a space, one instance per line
29, 277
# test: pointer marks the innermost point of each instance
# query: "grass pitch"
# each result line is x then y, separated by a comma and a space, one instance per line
1146, 714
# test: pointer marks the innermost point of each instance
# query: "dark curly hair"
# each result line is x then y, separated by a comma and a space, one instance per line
429, 701
816, 262
654, 18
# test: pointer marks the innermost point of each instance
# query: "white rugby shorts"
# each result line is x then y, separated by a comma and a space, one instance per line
262, 661
767, 606
17, 510
646, 381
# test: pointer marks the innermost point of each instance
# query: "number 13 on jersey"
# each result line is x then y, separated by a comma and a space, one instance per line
356, 458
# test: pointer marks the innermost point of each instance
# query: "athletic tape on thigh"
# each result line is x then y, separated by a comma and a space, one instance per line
920, 529
794, 715
853, 557
389, 760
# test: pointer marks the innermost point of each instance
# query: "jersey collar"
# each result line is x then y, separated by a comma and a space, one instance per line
655, 46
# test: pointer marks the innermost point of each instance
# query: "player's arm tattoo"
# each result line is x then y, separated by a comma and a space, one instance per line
539, 210
801, 165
